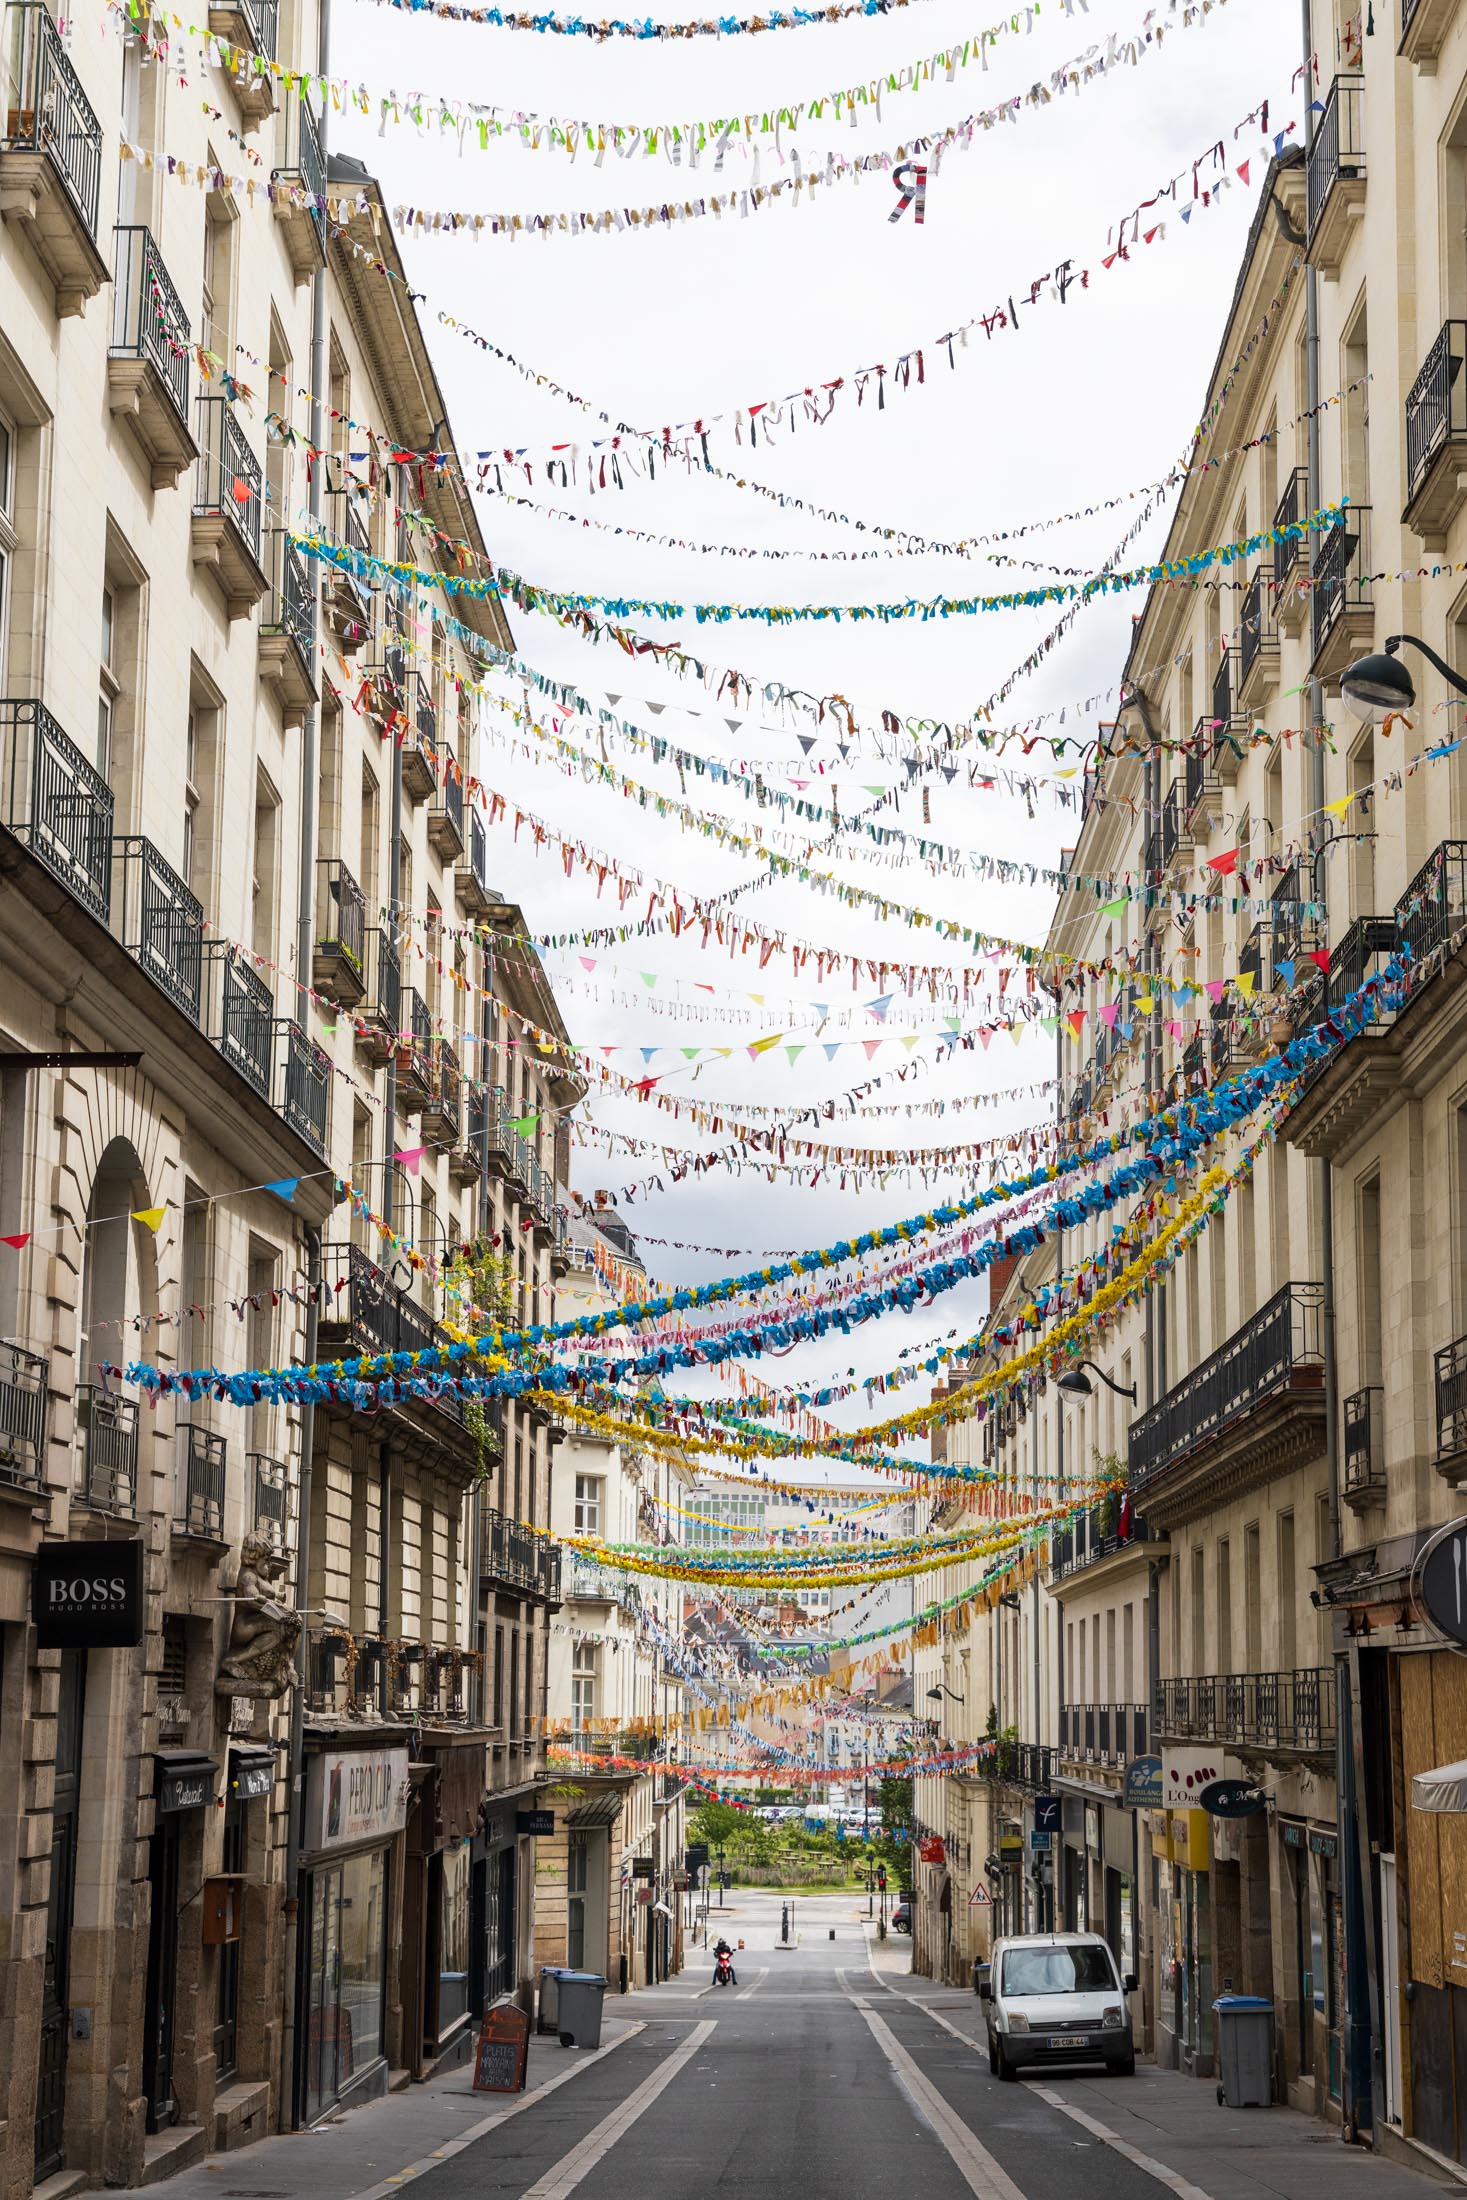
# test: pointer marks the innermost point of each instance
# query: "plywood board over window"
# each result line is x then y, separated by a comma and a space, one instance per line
1434, 1732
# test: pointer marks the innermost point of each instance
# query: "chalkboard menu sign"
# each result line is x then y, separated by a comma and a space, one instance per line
503, 2049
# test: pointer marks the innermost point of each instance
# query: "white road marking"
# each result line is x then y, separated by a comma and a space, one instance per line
753, 1986
975, 2165
1177, 2183
569, 2171
395, 2183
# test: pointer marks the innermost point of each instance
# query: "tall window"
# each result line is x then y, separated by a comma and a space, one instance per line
218, 276
265, 879
7, 535
585, 1675
589, 1490
108, 682
1288, 1590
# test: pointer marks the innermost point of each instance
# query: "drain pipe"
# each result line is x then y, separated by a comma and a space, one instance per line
286, 2117
310, 730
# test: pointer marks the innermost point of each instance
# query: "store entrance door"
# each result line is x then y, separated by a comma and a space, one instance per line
51, 2063
159, 2001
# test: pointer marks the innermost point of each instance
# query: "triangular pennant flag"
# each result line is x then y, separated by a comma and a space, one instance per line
1244, 983
1285, 970
794, 1053
1114, 908
411, 1158
524, 1124
762, 1046
1225, 863
284, 1187
152, 1216
17, 1238
870, 1045
1320, 955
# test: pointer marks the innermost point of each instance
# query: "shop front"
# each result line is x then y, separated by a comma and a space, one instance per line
438, 1970
356, 1813
1311, 1871
1185, 1990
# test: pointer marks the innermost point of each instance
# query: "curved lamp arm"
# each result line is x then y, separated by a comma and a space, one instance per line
1453, 679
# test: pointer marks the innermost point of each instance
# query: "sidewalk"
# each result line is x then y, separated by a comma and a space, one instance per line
1171, 2125
389, 2142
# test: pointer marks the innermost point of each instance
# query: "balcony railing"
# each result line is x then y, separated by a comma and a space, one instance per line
302, 161
1225, 714
240, 1014
383, 1001
23, 1381
57, 804
1259, 636
1089, 1541
148, 319
45, 109
1280, 1349
359, 1299
1286, 918
1451, 1401
341, 931
1341, 569
1029, 1765
229, 479
1103, 1733
415, 1050
201, 1457
268, 1505
1265, 1711
1364, 1441
521, 1557
161, 922
1364, 950
292, 607
1436, 409
443, 1113
1434, 905
1292, 512
1250, 955
303, 1094
107, 1434
1338, 154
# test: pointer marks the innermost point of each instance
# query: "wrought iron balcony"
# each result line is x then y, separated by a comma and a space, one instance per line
161, 922
1222, 1037
301, 169
1425, 26
303, 1085
1451, 1404
1076, 1549
252, 27
148, 361
446, 818
338, 966
472, 878
346, 595
50, 155
23, 1388
107, 1436
1278, 1353
1103, 1733
1364, 951
201, 1459
288, 630
1199, 774
1436, 427
1286, 921
421, 763
269, 1487
443, 1110
414, 1050
1250, 955
239, 1013
1293, 511
1434, 905
57, 804
1258, 642
499, 1139
1336, 180
360, 1304
224, 531
1028, 1765
520, 1557
379, 1017
1365, 1442
1228, 726
1274, 1713
1343, 610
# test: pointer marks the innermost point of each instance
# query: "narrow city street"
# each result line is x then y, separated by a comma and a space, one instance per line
828, 2073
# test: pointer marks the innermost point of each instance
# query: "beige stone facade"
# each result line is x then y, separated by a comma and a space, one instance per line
1295, 1439
243, 891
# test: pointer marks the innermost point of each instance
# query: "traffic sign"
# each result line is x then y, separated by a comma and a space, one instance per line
980, 1898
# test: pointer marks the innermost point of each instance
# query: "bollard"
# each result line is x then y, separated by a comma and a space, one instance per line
832, 1932
784, 1923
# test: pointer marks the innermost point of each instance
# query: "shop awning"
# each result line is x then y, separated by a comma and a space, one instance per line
597, 1810
1444, 1789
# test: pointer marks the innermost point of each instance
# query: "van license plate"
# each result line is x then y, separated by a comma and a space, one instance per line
1073, 2039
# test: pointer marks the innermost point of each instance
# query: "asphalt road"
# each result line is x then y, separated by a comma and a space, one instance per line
811, 2080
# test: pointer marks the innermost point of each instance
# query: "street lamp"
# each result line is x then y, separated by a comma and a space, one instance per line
1075, 1383
935, 1695
1379, 685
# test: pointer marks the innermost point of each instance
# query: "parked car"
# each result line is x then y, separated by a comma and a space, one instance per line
901, 1917
1056, 1997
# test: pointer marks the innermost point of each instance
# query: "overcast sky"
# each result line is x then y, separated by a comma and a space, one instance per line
1080, 404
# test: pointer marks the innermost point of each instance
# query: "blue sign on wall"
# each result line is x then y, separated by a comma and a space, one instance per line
1143, 1784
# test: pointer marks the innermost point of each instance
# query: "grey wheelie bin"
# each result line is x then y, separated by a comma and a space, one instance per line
581, 1996
1245, 2050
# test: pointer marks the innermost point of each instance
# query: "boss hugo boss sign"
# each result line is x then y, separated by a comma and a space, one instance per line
88, 1596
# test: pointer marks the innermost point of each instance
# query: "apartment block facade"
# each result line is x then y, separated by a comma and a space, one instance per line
1252, 1595
273, 1680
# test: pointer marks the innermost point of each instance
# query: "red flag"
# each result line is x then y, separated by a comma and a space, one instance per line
1320, 955
21, 1237
1225, 863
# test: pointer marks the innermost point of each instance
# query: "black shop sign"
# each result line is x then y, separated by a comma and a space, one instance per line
88, 1596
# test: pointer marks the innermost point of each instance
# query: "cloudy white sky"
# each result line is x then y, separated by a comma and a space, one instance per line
1080, 404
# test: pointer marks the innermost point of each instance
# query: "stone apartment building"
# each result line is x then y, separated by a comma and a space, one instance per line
239, 878
1295, 1442
607, 1894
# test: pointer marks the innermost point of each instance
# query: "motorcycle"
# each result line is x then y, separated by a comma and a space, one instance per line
723, 1970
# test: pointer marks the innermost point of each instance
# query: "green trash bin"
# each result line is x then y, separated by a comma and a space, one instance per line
581, 1994
1245, 2050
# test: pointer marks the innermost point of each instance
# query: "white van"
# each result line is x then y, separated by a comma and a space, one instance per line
1056, 1997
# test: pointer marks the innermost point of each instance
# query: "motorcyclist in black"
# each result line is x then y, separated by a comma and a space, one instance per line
723, 1949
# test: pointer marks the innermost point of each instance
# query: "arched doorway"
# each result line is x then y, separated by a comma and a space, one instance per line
119, 1281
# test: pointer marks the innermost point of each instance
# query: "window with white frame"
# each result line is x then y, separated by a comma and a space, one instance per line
585, 1675
590, 1492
